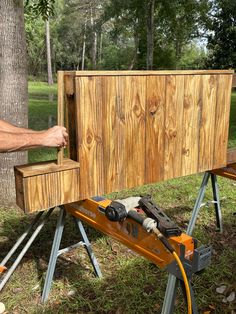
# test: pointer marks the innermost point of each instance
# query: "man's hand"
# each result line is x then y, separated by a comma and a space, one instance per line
56, 136
14, 140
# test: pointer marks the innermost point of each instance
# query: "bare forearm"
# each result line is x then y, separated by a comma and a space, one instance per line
10, 142
7, 127
53, 137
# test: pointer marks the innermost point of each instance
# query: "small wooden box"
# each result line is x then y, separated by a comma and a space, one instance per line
44, 185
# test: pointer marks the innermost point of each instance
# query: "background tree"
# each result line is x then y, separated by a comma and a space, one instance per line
48, 47
13, 82
13, 86
222, 37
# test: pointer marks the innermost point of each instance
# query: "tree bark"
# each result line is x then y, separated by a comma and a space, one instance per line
13, 88
49, 59
150, 33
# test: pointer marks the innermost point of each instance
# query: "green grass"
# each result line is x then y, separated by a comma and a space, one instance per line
130, 284
41, 88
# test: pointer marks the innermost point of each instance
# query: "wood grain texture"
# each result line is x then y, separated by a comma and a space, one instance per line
38, 190
147, 73
133, 96
44, 167
155, 128
207, 123
60, 110
191, 123
90, 145
173, 126
149, 126
113, 128
223, 98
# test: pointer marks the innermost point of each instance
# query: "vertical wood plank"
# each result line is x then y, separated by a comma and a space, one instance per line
90, 145
60, 110
155, 122
207, 123
223, 98
191, 119
134, 99
113, 126
173, 126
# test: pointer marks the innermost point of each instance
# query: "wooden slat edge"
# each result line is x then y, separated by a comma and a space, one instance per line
60, 110
231, 156
174, 72
234, 81
45, 167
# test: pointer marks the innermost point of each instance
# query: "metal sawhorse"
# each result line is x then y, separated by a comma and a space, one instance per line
55, 252
168, 305
170, 294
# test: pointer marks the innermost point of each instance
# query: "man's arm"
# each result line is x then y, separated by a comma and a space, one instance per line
7, 127
53, 137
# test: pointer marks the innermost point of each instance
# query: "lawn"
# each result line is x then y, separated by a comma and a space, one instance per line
130, 284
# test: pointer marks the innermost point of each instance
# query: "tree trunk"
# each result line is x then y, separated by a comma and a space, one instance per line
13, 87
150, 33
94, 40
100, 49
49, 59
84, 44
136, 49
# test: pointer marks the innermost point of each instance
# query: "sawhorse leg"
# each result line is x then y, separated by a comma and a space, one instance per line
55, 252
26, 247
168, 304
216, 201
89, 250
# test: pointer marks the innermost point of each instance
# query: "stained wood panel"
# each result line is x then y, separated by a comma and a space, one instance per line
155, 128
90, 145
133, 95
207, 123
43, 185
113, 134
191, 123
136, 127
223, 96
173, 126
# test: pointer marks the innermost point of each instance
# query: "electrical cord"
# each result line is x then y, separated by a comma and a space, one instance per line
166, 243
187, 289
149, 224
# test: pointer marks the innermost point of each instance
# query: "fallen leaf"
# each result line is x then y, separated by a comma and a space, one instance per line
221, 289
36, 287
71, 293
231, 297
212, 307
2, 308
